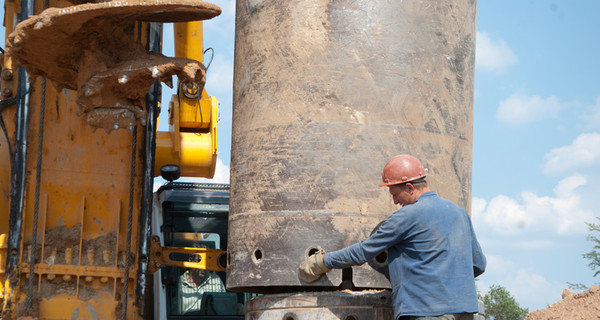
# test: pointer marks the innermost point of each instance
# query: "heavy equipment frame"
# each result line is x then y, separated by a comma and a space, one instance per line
80, 150
324, 93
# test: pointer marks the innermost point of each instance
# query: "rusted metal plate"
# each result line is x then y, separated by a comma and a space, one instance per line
101, 31
274, 244
93, 48
325, 92
375, 305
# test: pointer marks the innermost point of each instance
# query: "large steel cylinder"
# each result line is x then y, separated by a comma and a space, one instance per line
325, 92
367, 305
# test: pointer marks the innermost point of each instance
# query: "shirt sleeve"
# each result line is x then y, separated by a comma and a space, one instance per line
389, 233
479, 261
214, 283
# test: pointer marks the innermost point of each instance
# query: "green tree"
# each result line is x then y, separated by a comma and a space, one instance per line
593, 256
500, 305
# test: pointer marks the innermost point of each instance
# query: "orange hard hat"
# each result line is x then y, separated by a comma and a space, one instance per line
401, 169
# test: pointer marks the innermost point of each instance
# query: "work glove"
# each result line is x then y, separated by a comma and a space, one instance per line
313, 267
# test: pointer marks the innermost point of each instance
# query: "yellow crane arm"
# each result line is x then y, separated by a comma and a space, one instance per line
191, 142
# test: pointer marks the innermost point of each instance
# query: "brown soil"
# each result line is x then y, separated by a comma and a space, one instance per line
58, 239
58, 286
573, 306
100, 244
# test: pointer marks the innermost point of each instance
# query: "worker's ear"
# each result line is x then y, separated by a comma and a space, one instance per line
409, 187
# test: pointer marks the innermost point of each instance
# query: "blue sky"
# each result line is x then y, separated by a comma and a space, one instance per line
536, 144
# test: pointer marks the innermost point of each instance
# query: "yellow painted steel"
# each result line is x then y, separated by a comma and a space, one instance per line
191, 142
8, 85
83, 205
207, 259
84, 193
195, 153
61, 306
84, 196
195, 114
188, 40
2, 264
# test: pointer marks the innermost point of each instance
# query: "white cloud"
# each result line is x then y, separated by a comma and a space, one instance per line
477, 208
519, 109
563, 213
219, 77
506, 214
221, 175
493, 55
223, 24
583, 153
219, 34
529, 289
591, 118
221, 172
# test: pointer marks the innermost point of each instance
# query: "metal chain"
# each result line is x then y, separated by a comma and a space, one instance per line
36, 205
129, 220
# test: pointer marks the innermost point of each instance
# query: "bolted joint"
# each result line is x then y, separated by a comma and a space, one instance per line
7, 93
7, 75
191, 90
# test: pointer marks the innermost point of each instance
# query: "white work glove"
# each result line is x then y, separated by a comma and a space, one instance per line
313, 267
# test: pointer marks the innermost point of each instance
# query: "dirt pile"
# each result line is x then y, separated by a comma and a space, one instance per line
573, 306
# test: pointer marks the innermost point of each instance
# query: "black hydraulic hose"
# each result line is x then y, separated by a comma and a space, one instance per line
36, 205
3, 104
17, 191
148, 154
212, 51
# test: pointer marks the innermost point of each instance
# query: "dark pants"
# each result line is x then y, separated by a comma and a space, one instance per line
455, 316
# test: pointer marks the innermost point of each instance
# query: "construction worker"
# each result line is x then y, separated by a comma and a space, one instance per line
433, 253
194, 283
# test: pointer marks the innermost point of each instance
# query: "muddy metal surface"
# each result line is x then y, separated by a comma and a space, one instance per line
372, 305
96, 49
325, 92
93, 48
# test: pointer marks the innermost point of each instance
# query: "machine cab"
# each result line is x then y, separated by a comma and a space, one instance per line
193, 215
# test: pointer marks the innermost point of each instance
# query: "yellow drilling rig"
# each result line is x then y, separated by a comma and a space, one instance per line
80, 150
324, 93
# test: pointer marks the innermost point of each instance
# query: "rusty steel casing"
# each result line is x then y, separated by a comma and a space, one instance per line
366, 305
325, 92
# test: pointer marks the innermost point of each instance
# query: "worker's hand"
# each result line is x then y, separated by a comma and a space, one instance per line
313, 267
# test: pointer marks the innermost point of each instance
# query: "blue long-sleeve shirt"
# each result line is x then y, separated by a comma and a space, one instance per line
433, 257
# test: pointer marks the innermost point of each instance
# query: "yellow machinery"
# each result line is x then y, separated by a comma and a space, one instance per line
339, 86
191, 141
80, 148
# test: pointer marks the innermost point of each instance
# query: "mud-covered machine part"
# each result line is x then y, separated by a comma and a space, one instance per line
89, 48
325, 93
77, 240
